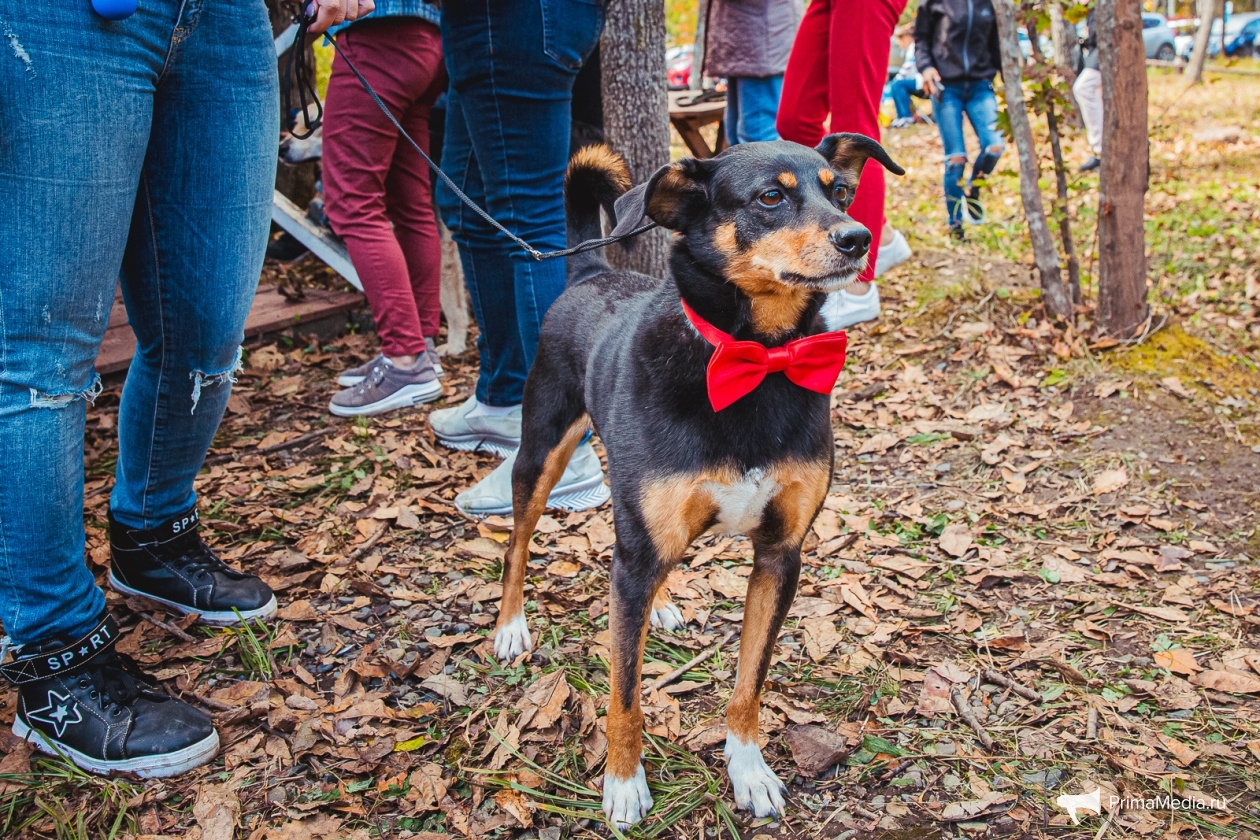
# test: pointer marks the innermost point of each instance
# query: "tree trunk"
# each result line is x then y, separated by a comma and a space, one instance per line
696, 81
1066, 47
636, 110
1055, 296
1207, 14
1122, 308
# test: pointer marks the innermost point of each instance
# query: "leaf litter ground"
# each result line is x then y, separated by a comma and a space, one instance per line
1034, 575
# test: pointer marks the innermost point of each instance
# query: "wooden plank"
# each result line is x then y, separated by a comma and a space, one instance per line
322, 242
271, 313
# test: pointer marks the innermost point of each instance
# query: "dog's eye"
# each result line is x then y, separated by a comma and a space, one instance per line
840, 193
771, 198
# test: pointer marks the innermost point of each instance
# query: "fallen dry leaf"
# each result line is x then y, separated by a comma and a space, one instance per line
1109, 481
1228, 682
955, 540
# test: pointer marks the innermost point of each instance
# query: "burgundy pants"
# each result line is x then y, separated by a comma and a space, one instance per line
838, 67
376, 188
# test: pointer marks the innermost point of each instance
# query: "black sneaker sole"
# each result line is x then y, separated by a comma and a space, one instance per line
146, 767
215, 618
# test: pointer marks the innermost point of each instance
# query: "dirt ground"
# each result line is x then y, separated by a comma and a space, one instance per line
1035, 575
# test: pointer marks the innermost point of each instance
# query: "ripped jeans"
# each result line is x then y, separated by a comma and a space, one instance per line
977, 101
140, 152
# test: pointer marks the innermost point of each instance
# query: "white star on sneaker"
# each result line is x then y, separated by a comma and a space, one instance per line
58, 713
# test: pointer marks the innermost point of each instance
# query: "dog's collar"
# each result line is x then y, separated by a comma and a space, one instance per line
736, 368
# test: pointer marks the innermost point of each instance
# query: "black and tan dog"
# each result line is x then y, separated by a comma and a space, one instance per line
761, 237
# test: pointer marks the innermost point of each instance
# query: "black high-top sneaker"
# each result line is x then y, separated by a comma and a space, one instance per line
82, 699
173, 566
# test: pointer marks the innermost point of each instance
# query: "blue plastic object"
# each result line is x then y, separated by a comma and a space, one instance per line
115, 9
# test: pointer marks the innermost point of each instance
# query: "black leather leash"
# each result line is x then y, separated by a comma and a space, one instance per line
298, 75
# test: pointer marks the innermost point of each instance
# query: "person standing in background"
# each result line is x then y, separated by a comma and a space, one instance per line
1088, 91
379, 199
837, 69
907, 83
512, 65
956, 48
748, 43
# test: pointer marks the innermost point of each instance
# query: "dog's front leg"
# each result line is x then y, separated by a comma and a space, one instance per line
770, 591
626, 796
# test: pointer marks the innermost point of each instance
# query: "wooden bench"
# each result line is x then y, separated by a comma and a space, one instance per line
688, 119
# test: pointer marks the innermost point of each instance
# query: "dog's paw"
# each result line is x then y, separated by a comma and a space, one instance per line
667, 616
626, 801
512, 639
755, 785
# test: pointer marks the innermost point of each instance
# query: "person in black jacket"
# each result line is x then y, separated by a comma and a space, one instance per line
956, 50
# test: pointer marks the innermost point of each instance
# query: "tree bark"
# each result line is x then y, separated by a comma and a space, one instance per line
636, 110
1122, 308
1207, 14
1055, 296
1066, 46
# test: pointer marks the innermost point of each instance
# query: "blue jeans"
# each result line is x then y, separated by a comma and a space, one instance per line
752, 106
901, 90
511, 64
976, 99
140, 152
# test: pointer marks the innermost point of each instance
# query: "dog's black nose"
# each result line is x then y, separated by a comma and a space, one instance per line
851, 240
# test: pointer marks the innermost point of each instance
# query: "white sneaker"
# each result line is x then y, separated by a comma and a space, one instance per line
893, 254
581, 487
844, 309
454, 428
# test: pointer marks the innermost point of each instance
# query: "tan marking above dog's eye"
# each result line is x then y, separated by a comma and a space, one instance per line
787, 179
826, 176
771, 198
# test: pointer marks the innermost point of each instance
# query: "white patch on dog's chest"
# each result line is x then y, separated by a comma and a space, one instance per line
741, 504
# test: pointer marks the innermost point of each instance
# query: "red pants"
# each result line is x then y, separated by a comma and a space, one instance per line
846, 83
377, 189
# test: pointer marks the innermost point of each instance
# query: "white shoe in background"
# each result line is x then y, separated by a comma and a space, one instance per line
581, 487
893, 254
843, 309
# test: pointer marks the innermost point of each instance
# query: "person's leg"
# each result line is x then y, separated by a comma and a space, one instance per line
1088, 90
194, 255
76, 116
981, 107
360, 146
513, 68
900, 90
948, 109
806, 99
758, 107
857, 83
732, 112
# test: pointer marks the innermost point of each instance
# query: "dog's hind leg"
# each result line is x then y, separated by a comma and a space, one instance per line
635, 577
547, 443
770, 591
665, 613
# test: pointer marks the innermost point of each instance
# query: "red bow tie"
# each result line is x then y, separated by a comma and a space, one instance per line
737, 367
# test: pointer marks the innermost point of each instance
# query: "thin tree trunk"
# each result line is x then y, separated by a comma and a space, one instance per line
1207, 14
696, 81
1062, 209
1055, 296
636, 109
1066, 46
1122, 307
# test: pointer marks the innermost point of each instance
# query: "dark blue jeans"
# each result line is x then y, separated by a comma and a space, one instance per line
140, 152
512, 64
901, 90
976, 100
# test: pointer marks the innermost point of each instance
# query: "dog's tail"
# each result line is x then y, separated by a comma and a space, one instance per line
596, 178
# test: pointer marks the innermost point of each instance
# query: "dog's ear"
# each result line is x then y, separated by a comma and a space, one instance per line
850, 152
674, 196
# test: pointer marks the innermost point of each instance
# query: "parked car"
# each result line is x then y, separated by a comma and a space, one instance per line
678, 61
1241, 31
1186, 31
1160, 40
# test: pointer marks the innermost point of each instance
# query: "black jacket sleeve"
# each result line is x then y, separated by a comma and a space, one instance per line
923, 32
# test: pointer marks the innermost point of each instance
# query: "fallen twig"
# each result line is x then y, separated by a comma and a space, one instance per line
1006, 682
969, 717
275, 447
1091, 724
371, 541
664, 680
169, 628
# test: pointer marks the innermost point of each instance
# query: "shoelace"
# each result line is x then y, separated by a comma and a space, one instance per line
195, 556
117, 680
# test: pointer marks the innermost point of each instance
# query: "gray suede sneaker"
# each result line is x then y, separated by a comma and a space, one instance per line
353, 376
430, 350
454, 428
386, 388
